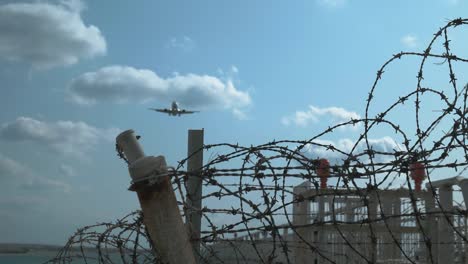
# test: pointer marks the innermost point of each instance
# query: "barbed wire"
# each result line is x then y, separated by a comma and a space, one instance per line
268, 203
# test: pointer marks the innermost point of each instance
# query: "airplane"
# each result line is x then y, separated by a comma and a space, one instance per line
174, 111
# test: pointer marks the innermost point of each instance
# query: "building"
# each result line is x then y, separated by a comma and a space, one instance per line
350, 226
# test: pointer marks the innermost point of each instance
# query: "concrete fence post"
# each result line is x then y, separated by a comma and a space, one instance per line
194, 187
371, 248
431, 228
396, 223
301, 211
446, 234
387, 210
161, 214
349, 218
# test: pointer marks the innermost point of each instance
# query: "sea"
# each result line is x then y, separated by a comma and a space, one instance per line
27, 258
40, 257
16, 259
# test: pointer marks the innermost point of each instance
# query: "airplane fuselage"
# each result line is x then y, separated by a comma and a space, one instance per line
174, 110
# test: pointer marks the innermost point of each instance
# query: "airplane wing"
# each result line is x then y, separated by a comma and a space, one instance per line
187, 112
167, 111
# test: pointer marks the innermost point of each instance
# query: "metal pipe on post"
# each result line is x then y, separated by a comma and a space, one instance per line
194, 187
161, 214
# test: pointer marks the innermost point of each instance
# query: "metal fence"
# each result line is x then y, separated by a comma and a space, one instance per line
371, 211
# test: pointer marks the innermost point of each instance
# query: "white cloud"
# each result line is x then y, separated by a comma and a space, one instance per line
335, 115
66, 137
232, 74
241, 115
121, 84
410, 41
12, 173
184, 43
46, 35
332, 3
66, 170
384, 144
11, 167
42, 183
21, 204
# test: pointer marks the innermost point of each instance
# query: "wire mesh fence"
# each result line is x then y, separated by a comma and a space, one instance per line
282, 202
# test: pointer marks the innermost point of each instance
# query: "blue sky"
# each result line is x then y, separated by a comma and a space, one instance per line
75, 73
